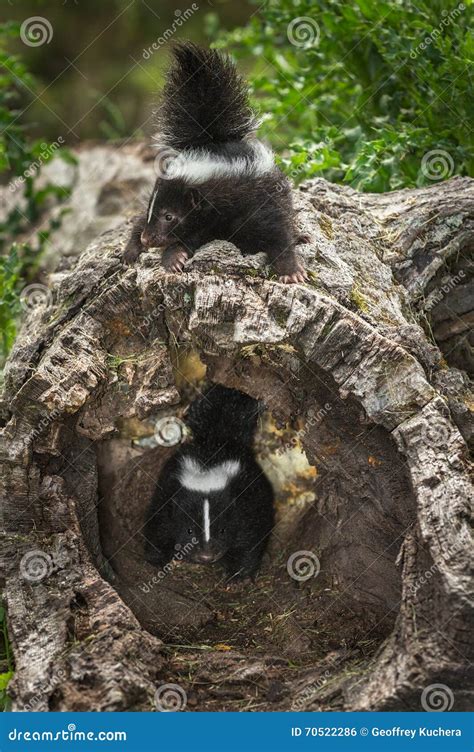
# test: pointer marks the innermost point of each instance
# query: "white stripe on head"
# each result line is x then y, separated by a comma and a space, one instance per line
196, 477
207, 521
152, 204
199, 165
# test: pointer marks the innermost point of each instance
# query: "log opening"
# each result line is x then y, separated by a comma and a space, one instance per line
329, 580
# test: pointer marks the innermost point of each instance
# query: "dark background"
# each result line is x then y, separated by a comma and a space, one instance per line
92, 80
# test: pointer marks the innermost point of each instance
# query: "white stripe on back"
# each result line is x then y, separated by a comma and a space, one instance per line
199, 165
197, 477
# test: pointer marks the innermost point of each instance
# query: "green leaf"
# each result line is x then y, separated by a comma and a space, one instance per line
4, 679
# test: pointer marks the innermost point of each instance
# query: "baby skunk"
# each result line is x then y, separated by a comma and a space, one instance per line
212, 498
216, 181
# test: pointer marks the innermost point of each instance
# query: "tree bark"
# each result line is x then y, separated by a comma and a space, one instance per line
354, 383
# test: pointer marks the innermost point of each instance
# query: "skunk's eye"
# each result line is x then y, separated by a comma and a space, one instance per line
169, 217
222, 530
190, 531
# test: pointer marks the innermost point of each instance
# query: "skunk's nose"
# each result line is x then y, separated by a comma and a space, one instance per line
209, 553
145, 238
206, 557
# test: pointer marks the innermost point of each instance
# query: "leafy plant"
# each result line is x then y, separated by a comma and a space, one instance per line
6, 661
113, 127
22, 159
363, 92
9, 300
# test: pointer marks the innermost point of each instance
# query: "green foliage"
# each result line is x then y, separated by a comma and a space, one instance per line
21, 158
356, 98
113, 127
6, 661
9, 300
13, 76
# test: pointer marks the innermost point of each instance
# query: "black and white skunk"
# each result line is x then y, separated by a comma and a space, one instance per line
216, 181
213, 501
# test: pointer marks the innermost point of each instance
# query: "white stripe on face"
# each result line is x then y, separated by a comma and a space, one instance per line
207, 521
150, 210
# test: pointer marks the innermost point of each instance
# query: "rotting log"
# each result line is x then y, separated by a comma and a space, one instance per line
348, 371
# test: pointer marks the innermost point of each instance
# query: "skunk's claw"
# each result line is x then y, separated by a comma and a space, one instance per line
132, 252
174, 260
303, 237
299, 276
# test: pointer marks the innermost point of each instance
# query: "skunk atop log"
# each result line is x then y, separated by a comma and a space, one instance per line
215, 181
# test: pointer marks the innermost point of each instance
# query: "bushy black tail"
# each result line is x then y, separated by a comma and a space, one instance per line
205, 101
223, 415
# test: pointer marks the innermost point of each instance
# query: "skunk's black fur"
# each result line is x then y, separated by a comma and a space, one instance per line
204, 100
222, 416
205, 117
240, 513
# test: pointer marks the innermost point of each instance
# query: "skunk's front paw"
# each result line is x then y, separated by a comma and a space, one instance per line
132, 252
292, 274
174, 259
290, 270
299, 276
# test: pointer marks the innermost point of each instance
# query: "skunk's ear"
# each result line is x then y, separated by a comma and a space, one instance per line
196, 198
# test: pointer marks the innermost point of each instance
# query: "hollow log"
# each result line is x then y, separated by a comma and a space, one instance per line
359, 398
